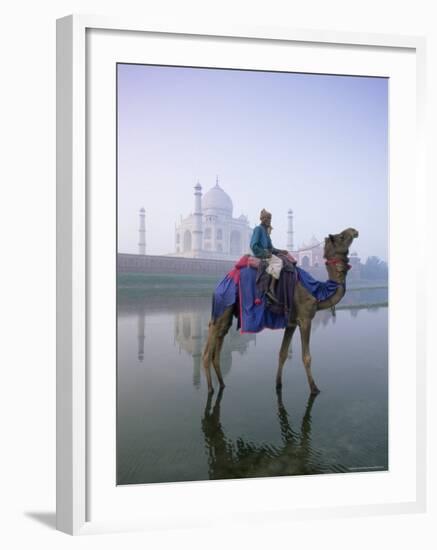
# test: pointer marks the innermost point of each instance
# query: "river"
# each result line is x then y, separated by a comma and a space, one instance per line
169, 430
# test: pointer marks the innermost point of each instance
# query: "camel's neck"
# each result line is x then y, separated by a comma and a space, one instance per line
340, 278
333, 300
332, 267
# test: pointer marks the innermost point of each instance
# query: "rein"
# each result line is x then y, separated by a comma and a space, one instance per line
307, 248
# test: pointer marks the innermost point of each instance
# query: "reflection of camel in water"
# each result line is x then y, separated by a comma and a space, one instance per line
237, 459
305, 306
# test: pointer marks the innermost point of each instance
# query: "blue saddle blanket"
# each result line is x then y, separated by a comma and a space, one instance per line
238, 288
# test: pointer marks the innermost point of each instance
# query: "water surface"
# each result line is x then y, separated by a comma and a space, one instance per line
169, 430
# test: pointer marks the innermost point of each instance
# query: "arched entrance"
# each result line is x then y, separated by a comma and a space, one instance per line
187, 241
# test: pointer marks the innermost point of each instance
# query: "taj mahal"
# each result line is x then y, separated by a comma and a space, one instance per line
212, 231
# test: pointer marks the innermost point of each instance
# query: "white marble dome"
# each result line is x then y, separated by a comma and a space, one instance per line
217, 200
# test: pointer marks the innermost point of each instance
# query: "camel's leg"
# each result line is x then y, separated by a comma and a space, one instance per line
216, 360
207, 353
305, 331
224, 324
283, 353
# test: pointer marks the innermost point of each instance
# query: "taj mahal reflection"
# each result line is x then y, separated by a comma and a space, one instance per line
190, 329
141, 333
190, 332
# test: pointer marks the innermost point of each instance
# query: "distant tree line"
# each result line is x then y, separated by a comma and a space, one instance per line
374, 268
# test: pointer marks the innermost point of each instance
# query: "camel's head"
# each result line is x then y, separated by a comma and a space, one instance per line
338, 245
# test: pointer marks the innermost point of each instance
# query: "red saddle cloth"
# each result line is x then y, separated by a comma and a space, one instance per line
249, 261
244, 261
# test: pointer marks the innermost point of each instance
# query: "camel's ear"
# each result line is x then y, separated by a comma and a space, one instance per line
331, 238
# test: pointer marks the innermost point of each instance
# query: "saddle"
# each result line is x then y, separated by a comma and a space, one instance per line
284, 287
243, 288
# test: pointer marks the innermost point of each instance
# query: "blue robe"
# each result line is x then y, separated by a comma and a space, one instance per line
261, 243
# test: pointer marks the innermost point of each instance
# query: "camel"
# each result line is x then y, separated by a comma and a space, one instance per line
305, 306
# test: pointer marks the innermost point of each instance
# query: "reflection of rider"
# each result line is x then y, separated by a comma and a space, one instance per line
262, 247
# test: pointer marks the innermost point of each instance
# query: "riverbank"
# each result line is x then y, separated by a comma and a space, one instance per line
137, 285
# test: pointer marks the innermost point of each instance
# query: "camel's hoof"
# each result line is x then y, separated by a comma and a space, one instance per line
315, 391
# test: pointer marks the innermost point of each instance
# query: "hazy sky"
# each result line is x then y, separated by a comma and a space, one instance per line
317, 144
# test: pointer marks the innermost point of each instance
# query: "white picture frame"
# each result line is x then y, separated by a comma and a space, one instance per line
73, 211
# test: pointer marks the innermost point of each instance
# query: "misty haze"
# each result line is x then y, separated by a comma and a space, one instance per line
200, 153
311, 143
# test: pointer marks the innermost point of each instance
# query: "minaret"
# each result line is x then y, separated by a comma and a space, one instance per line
197, 225
142, 231
290, 232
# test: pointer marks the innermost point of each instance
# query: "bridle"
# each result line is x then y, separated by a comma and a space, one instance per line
339, 259
334, 261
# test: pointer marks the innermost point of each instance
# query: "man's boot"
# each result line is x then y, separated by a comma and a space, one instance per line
271, 291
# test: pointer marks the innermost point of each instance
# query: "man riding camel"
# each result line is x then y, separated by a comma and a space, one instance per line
262, 247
